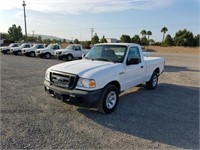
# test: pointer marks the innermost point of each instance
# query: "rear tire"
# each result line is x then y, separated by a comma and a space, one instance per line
109, 99
152, 83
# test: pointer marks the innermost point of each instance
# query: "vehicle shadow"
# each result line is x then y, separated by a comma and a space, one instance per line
178, 69
169, 114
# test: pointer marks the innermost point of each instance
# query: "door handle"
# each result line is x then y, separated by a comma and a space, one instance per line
142, 66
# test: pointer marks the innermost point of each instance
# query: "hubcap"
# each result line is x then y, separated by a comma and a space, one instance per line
69, 57
47, 56
32, 54
155, 80
111, 99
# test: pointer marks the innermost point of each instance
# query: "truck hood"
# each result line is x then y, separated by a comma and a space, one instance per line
83, 68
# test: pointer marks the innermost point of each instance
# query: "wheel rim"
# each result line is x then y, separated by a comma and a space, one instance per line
19, 53
111, 99
47, 56
32, 54
69, 57
155, 80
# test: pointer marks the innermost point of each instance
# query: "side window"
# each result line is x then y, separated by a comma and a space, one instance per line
40, 46
56, 47
134, 53
77, 48
15, 45
26, 46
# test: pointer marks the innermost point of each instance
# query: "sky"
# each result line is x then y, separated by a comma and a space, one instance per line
72, 19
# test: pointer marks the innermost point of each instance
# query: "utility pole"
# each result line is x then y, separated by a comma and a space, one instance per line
92, 31
24, 5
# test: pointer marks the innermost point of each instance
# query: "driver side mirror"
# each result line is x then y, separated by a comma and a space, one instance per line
133, 61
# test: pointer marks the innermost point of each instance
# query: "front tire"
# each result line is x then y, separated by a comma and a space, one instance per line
69, 57
19, 53
152, 83
47, 56
32, 54
109, 99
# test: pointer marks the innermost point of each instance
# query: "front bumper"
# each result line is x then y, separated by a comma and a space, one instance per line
88, 97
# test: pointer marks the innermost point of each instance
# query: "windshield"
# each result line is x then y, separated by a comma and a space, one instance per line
22, 45
114, 53
50, 46
11, 45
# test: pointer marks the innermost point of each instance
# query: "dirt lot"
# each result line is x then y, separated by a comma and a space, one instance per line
165, 118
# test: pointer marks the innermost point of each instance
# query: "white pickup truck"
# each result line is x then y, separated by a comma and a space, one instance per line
104, 72
70, 52
18, 50
6, 49
31, 51
48, 51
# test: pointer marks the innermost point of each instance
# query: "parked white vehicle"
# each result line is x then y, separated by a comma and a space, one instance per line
48, 51
6, 49
18, 50
70, 52
31, 51
104, 72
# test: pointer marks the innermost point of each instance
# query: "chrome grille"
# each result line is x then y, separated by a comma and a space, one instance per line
63, 80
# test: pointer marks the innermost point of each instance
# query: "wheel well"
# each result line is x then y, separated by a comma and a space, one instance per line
70, 54
48, 53
116, 83
157, 70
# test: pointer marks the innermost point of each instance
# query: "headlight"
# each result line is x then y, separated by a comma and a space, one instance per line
88, 83
47, 75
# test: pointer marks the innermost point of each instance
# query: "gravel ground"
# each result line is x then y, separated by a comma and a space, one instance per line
166, 118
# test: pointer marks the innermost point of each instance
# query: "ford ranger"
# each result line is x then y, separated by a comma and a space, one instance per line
18, 50
6, 49
31, 51
71, 51
48, 51
104, 72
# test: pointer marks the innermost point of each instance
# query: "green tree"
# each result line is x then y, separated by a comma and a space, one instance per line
47, 41
15, 33
168, 41
95, 39
103, 39
86, 44
148, 34
184, 38
64, 41
136, 39
164, 30
4, 36
125, 39
197, 40
76, 41
144, 41
143, 32
39, 39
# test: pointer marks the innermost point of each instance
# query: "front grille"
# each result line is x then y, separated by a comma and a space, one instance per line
58, 53
63, 80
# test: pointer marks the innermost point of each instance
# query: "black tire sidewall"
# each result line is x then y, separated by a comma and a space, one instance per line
103, 108
32, 54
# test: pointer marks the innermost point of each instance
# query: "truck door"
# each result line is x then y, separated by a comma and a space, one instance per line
135, 68
77, 51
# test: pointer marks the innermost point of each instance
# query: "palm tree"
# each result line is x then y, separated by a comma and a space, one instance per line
143, 32
148, 34
164, 30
